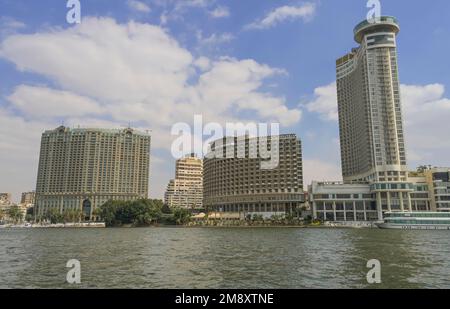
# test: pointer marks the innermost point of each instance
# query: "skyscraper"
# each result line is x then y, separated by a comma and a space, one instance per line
239, 185
80, 169
370, 115
186, 190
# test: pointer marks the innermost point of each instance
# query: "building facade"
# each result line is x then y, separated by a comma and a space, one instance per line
81, 169
370, 111
186, 190
240, 185
374, 166
28, 198
438, 181
370, 116
5, 199
340, 202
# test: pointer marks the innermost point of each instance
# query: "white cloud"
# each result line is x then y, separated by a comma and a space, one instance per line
318, 170
179, 5
134, 72
285, 13
164, 18
12, 23
235, 82
425, 112
203, 63
215, 39
138, 6
176, 9
19, 152
43, 102
9, 25
325, 102
220, 12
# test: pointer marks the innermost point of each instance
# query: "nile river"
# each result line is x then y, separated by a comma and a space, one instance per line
224, 258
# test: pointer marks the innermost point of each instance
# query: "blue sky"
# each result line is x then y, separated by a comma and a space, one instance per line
288, 61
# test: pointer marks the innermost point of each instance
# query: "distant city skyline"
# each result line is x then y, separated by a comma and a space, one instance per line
151, 64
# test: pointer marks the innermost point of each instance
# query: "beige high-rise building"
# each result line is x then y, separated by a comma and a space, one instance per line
238, 187
186, 190
82, 169
28, 198
370, 111
370, 116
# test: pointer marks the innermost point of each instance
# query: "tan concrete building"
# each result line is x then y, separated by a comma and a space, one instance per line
240, 185
5, 199
28, 198
82, 169
186, 190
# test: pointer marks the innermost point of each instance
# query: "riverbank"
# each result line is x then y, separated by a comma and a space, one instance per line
209, 225
61, 225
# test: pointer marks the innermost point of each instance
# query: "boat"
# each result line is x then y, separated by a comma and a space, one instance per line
416, 221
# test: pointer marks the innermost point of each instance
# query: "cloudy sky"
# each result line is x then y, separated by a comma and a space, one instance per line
153, 63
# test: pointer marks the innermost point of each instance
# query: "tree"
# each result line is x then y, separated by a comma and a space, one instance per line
137, 213
54, 216
258, 218
73, 215
108, 213
166, 209
182, 216
15, 214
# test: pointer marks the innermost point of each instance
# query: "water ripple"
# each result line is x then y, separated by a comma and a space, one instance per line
224, 258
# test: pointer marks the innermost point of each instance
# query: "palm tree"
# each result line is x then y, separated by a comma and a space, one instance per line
73, 216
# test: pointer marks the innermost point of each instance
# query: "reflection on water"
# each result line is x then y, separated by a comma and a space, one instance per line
224, 258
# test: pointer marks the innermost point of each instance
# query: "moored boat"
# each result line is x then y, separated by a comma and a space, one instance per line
416, 221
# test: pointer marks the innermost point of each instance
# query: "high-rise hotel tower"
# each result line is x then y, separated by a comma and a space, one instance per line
186, 190
370, 115
241, 186
80, 169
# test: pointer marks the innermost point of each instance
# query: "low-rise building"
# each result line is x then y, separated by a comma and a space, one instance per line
336, 201
339, 202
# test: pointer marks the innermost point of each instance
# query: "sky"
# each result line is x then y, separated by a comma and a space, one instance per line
154, 63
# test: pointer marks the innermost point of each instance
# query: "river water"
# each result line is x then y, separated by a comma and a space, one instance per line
224, 258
